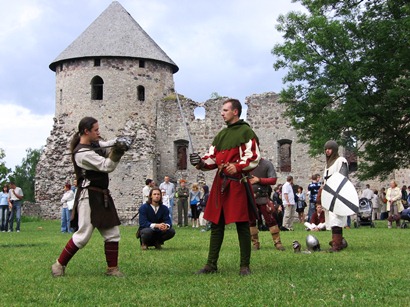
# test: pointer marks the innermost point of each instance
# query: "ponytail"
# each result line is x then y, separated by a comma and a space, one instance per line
74, 141
86, 123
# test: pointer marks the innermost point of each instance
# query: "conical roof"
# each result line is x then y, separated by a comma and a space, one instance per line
114, 34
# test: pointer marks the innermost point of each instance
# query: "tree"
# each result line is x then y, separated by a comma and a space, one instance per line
4, 171
348, 68
24, 174
215, 95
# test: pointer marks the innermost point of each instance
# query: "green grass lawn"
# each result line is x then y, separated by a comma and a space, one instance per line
371, 271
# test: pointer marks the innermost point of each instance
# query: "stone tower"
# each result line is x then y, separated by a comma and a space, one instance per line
116, 73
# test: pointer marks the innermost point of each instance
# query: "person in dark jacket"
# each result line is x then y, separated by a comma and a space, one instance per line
204, 201
155, 223
182, 195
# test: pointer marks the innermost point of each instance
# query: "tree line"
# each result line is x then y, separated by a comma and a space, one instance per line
24, 174
348, 67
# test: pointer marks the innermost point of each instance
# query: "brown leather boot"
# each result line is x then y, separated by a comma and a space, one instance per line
337, 238
274, 231
255, 237
397, 219
344, 243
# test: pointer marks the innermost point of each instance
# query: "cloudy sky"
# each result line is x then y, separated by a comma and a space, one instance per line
219, 46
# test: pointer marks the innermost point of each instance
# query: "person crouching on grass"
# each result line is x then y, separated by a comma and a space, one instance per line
155, 223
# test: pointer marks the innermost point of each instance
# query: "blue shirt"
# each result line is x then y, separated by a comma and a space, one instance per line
313, 189
4, 199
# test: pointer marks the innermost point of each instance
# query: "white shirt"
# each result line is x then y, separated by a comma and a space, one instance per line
287, 189
367, 193
165, 201
90, 160
169, 189
145, 193
18, 191
375, 201
68, 196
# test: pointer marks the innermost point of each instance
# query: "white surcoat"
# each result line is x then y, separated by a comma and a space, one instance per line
332, 219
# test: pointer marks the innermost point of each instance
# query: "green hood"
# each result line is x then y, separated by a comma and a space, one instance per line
234, 135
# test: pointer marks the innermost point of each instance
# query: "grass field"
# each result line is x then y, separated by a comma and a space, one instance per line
371, 271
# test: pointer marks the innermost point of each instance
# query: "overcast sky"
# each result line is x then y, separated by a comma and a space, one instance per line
219, 46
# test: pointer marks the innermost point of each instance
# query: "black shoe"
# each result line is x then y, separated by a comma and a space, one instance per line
206, 270
244, 271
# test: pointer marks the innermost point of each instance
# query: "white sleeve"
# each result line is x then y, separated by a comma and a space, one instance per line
90, 160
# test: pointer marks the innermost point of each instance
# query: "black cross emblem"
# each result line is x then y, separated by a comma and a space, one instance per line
336, 196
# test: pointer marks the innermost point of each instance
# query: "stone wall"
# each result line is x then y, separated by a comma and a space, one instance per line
31, 209
156, 124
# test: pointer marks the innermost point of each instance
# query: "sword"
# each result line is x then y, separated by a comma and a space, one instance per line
190, 145
135, 216
249, 194
91, 149
122, 140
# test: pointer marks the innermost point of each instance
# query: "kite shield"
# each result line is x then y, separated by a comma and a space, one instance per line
339, 196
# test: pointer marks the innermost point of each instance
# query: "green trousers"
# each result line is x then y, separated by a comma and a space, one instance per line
217, 237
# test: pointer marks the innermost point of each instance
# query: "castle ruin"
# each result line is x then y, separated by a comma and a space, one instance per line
116, 73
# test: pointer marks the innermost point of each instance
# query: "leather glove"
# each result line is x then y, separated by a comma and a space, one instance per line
116, 154
195, 159
123, 143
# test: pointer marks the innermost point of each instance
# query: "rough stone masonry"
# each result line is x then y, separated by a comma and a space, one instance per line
116, 73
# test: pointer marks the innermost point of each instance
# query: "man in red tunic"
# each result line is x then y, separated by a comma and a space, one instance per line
234, 152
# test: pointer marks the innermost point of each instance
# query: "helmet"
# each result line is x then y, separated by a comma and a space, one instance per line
312, 243
296, 246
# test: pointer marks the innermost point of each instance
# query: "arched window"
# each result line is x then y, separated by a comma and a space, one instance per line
181, 148
141, 93
199, 113
97, 86
285, 155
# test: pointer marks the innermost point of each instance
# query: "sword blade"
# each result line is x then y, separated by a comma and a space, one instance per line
91, 149
190, 145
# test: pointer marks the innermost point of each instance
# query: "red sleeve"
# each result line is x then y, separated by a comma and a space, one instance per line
267, 181
209, 159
